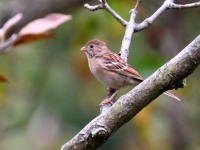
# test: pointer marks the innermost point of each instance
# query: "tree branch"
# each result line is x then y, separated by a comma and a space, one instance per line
168, 4
104, 5
181, 6
128, 32
8, 43
115, 15
93, 8
127, 106
8, 25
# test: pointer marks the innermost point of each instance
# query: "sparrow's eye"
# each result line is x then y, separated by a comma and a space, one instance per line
91, 47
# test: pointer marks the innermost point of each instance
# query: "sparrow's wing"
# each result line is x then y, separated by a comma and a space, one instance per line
115, 63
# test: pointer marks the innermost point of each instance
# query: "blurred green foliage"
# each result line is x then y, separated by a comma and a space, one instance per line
51, 94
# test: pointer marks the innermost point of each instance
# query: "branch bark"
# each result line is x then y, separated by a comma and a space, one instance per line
168, 4
124, 51
104, 5
94, 134
8, 43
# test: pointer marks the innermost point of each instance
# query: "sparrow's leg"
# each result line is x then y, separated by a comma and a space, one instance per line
112, 93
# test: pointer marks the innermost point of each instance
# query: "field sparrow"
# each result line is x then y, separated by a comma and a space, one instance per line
110, 69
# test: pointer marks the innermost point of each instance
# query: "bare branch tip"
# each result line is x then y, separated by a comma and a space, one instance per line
86, 5
137, 4
135, 9
93, 8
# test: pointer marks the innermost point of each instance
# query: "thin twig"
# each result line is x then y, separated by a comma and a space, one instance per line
181, 6
168, 4
104, 5
148, 21
93, 8
128, 32
8, 43
9, 25
115, 15
137, 4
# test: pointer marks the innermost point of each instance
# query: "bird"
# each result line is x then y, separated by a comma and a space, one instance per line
110, 69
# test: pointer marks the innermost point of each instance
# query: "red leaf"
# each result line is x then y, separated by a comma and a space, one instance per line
31, 37
38, 28
3, 79
45, 24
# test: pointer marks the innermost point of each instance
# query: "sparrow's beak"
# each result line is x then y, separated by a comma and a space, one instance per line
83, 49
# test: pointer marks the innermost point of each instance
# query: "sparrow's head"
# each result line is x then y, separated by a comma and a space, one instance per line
94, 48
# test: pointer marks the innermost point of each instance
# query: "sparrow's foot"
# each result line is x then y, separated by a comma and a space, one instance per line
109, 100
106, 101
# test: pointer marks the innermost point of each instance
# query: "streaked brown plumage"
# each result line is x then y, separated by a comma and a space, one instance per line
109, 68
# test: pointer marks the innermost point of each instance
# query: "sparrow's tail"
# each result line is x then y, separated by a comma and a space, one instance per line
171, 95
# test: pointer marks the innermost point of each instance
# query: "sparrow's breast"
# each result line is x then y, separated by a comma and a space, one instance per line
106, 77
